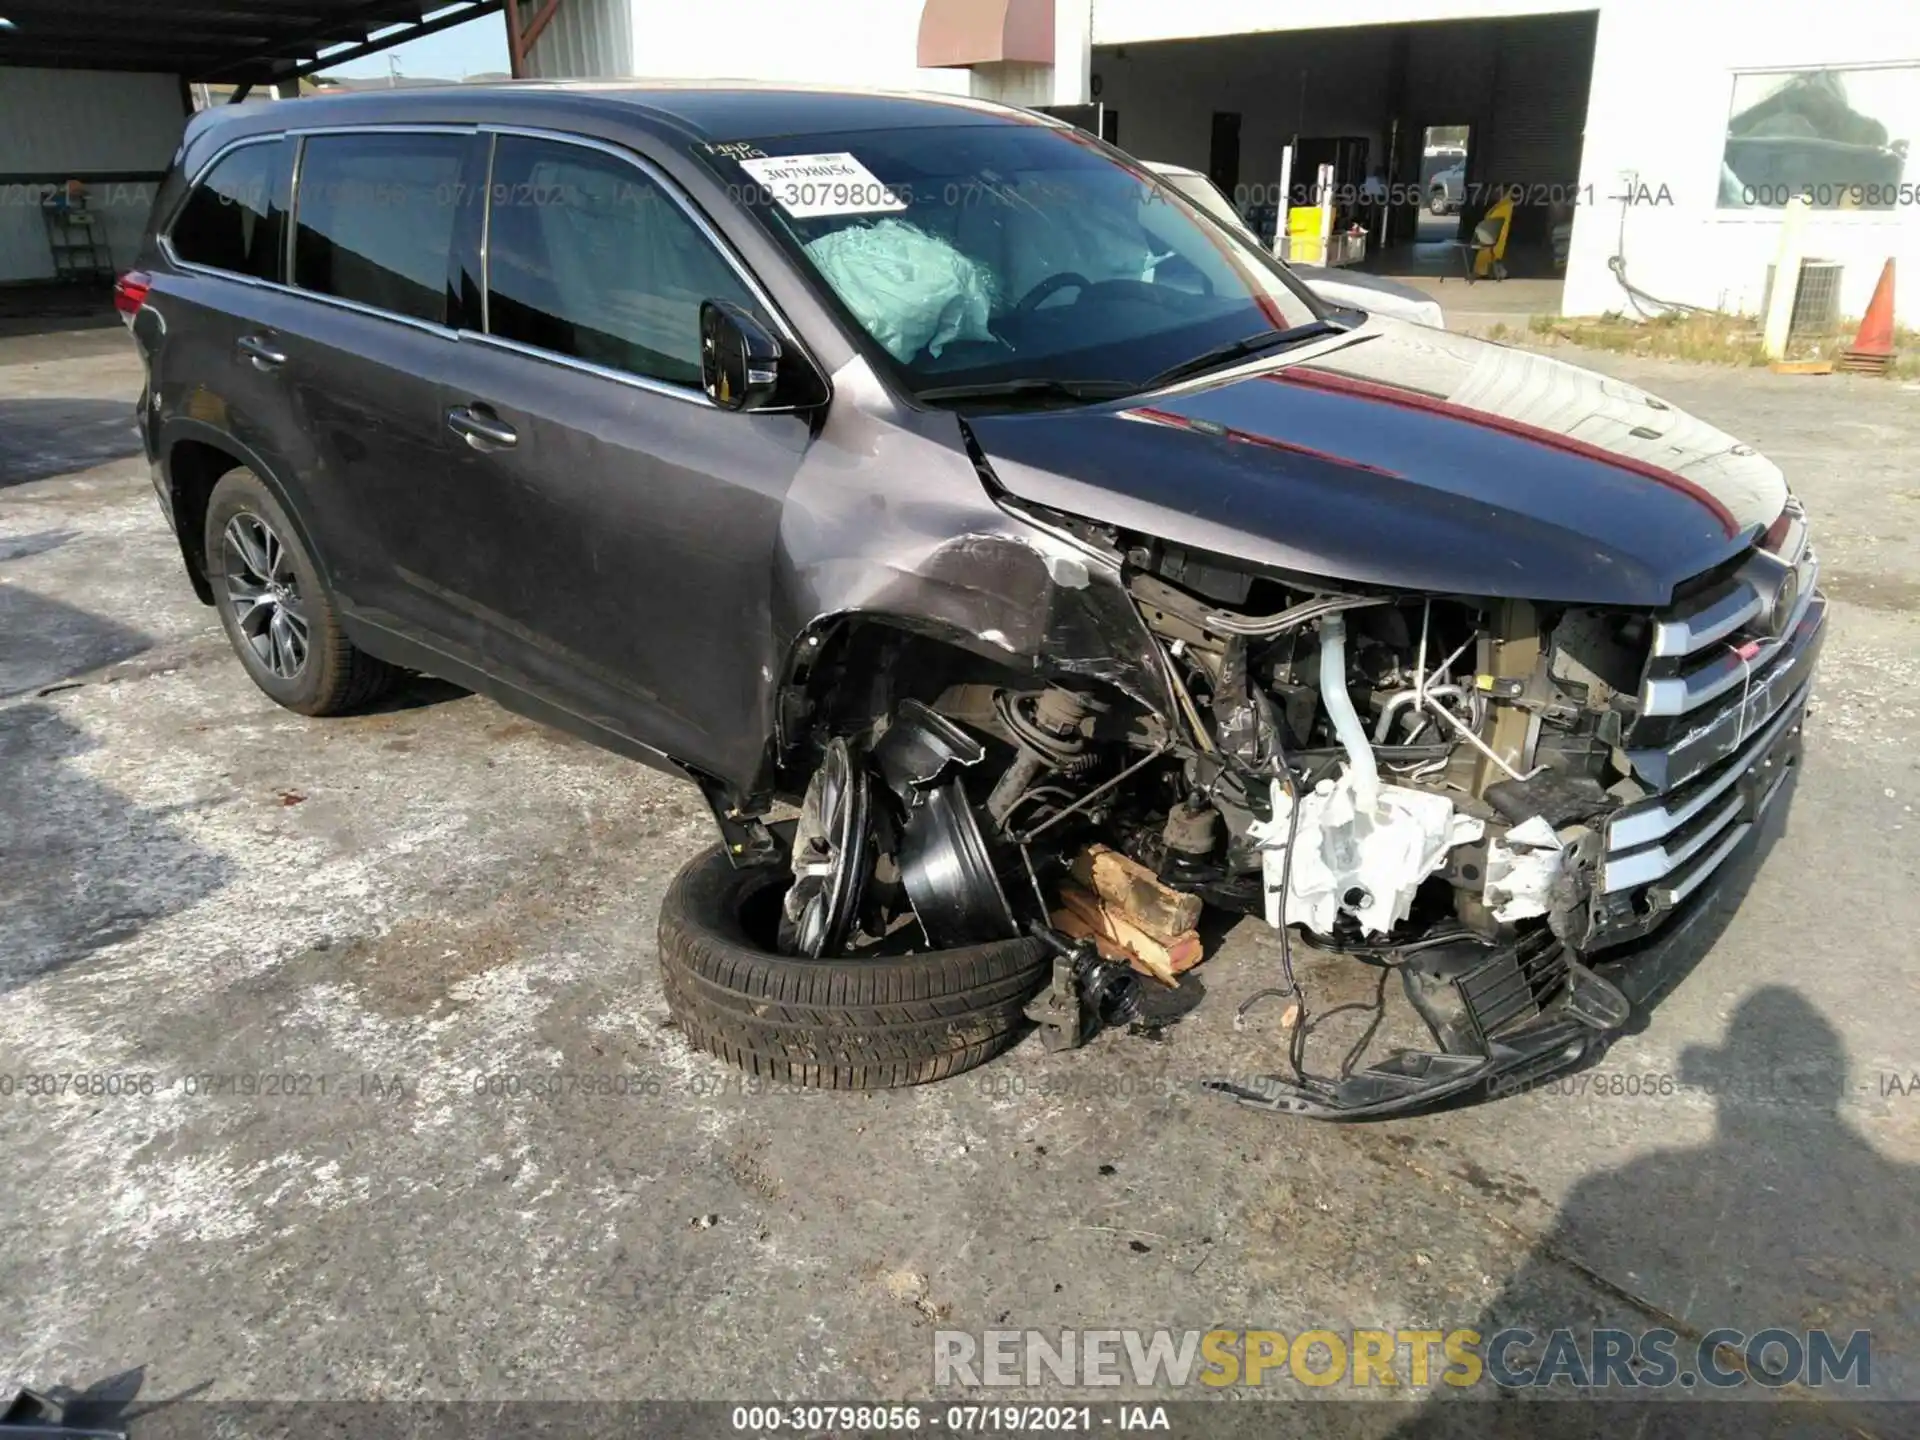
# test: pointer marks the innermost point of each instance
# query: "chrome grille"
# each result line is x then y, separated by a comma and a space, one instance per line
1724, 635
1652, 840
1721, 704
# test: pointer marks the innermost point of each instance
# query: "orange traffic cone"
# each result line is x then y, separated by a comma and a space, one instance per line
1872, 349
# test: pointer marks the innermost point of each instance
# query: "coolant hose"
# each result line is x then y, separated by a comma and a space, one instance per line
1346, 721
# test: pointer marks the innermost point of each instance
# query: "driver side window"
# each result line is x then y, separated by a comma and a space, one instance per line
588, 257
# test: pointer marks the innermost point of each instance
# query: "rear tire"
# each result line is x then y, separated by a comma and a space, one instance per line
258, 566
838, 1024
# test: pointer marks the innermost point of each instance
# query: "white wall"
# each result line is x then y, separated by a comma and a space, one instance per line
1072, 51
62, 123
829, 42
1662, 85
1013, 82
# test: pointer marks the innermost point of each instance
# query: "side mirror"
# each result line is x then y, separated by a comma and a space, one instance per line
739, 357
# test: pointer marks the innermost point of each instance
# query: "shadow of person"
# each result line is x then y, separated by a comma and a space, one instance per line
1788, 1220
106, 1407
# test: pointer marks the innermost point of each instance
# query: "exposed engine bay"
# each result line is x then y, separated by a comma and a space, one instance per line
1419, 783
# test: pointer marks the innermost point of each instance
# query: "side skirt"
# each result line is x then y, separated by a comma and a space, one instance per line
404, 650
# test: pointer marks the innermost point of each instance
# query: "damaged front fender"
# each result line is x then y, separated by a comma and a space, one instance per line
930, 553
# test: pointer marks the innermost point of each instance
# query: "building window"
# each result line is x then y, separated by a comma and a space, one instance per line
1841, 138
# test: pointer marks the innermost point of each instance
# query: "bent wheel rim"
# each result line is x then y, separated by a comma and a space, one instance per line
830, 857
263, 595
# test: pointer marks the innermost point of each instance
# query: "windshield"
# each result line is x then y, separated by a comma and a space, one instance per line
980, 254
1204, 193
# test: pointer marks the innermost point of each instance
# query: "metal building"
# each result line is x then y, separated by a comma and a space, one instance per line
94, 95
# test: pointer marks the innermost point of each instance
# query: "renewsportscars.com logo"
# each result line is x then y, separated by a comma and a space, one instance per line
1514, 1358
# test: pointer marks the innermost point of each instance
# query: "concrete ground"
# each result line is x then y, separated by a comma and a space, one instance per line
1478, 308
418, 916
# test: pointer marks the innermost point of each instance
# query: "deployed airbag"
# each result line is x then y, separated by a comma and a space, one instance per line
911, 291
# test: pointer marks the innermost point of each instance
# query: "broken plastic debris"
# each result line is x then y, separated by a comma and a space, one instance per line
1522, 867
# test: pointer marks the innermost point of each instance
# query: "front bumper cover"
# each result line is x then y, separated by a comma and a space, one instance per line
1589, 1009
1600, 998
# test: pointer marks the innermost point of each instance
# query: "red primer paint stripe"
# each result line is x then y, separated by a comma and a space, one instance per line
1519, 429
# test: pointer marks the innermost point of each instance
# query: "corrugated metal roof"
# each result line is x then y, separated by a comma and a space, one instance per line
242, 40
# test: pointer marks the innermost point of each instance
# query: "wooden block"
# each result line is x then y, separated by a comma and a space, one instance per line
1134, 890
1164, 959
1077, 927
1084, 915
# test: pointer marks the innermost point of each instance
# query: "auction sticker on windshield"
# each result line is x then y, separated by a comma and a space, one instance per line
808, 185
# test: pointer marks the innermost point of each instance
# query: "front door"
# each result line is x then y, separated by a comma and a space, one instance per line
621, 529
374, 221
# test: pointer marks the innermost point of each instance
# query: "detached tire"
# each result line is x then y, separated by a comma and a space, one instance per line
841, 1024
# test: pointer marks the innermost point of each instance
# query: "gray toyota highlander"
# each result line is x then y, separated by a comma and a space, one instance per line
982, 527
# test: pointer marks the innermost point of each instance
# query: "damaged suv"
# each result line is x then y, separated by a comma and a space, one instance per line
1055, 562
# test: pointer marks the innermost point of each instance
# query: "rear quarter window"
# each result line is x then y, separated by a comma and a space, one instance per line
234, 218
374, 219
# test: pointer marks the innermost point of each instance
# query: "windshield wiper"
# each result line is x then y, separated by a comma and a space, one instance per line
1030, 386
1240, 349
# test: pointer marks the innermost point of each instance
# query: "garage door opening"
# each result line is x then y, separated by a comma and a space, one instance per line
1480, 108
1442, 186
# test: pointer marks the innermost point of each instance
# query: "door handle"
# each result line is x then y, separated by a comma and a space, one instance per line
262, 354
481, 428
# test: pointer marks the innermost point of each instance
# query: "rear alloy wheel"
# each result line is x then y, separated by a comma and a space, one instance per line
264, 593
276, 610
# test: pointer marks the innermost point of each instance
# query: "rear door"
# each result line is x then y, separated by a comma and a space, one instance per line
216, 309
621, 528
373, 228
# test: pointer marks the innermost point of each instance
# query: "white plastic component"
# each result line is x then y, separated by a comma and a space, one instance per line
1346, 720
1522, 866
911, 290
1359, 846
1365, 861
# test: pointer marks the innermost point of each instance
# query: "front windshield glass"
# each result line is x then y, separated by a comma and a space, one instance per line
994, 253
1204, 193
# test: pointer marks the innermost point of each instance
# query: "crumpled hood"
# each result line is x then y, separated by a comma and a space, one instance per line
1402, 456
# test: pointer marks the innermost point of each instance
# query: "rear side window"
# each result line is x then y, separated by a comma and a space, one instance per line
235, 216
374, 219
588, 257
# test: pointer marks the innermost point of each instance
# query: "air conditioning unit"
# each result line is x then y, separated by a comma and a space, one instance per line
1816, 301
